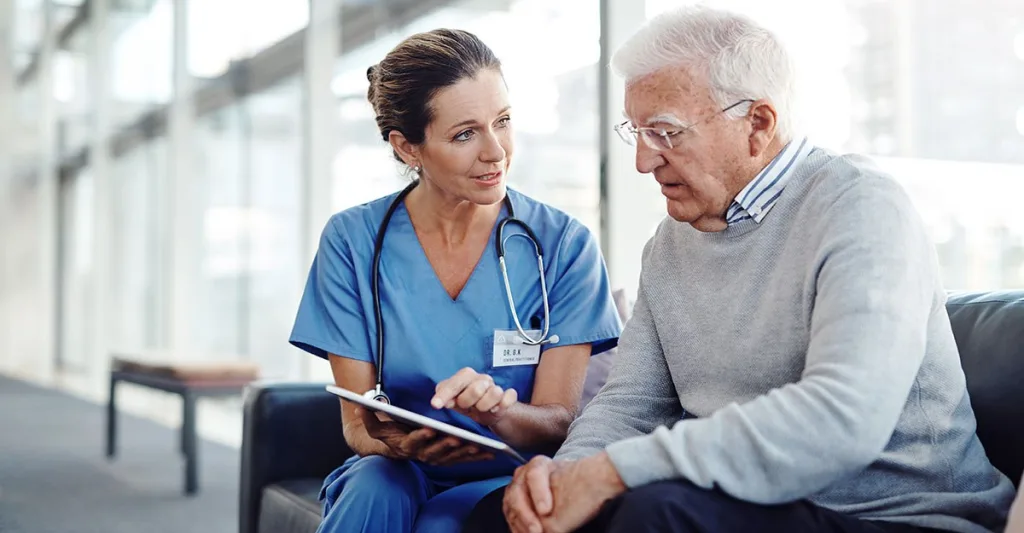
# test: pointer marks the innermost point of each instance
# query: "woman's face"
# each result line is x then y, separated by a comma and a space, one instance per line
468, 145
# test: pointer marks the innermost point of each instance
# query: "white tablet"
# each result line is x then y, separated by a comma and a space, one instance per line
418, 420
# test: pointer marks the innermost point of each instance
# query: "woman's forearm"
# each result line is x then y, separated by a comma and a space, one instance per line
360, 442
539, 428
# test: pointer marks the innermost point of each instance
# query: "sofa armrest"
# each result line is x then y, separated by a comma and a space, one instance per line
290, 430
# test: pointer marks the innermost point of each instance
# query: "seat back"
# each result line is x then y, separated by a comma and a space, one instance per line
601, 364
989, 331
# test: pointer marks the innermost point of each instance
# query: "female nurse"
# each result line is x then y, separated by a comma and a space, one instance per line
450, 349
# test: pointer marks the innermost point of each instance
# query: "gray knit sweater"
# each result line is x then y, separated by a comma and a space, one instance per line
816, 355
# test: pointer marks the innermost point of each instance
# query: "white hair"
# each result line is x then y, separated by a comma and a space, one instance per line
739, 59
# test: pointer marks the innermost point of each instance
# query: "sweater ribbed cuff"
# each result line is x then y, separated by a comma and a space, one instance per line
642, 460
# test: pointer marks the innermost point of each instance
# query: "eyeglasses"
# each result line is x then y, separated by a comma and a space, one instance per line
661, 138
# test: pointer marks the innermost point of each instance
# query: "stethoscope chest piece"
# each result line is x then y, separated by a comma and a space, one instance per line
377, 394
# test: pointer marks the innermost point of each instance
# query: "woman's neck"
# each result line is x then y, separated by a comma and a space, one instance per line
441, 215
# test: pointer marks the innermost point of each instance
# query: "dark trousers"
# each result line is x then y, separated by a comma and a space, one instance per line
682, 507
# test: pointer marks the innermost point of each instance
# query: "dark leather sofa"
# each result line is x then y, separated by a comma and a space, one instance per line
292, 432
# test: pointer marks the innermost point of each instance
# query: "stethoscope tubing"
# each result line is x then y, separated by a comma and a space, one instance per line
377, 392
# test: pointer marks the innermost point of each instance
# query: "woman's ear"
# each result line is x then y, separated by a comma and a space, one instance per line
409, 152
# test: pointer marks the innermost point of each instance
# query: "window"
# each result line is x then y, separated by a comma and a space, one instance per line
943, 115
226, 30
142, 58
249, 158
27, 32
555, 107
135, 243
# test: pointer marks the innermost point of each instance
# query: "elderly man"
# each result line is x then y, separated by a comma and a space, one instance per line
789, 365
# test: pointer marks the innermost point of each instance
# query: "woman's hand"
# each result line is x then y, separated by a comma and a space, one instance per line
474, 395
421, 444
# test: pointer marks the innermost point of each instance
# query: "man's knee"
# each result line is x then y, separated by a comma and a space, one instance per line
677, 506
487, 516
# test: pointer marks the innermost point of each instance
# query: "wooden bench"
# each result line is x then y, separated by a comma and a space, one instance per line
191, 381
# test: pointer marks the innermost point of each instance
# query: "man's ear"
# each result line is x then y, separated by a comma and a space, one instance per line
409, 152
763, 122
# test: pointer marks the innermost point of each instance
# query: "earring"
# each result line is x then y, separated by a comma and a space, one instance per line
416, 169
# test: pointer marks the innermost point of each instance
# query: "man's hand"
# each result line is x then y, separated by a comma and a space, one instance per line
519, 505
474, 395
1016, 520
559, 496
421, 444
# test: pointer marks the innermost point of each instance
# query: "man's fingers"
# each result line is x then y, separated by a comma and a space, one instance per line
447, 390
518, 511
508, 503
538, 483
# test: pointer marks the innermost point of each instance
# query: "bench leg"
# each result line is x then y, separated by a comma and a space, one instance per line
188, 432
112, 419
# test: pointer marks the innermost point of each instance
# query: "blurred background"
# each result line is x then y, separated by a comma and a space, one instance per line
166, 166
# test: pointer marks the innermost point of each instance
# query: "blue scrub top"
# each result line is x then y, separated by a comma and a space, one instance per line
430, 336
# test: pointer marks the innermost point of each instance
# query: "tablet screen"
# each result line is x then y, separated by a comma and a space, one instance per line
408, 417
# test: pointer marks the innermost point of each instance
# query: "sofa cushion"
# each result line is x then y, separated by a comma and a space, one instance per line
601, 364
291, 506
989, 331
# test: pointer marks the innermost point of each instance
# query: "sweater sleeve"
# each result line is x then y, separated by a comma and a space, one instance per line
638, 396
875, 283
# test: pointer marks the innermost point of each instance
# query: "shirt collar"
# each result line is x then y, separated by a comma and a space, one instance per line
761, 194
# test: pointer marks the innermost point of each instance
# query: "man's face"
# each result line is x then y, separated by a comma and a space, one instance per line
710, 157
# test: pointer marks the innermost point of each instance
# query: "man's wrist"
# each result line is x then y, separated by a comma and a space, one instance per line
606, 475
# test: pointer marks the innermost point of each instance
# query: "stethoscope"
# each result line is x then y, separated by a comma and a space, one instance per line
377, 392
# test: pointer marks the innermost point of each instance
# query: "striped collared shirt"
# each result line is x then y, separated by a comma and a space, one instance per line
760, 195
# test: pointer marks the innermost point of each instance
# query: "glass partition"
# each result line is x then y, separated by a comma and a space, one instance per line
555, 109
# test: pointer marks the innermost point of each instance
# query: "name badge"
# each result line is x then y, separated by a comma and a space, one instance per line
510, 349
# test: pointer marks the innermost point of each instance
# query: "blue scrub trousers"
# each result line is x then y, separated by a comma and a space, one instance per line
379, 495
